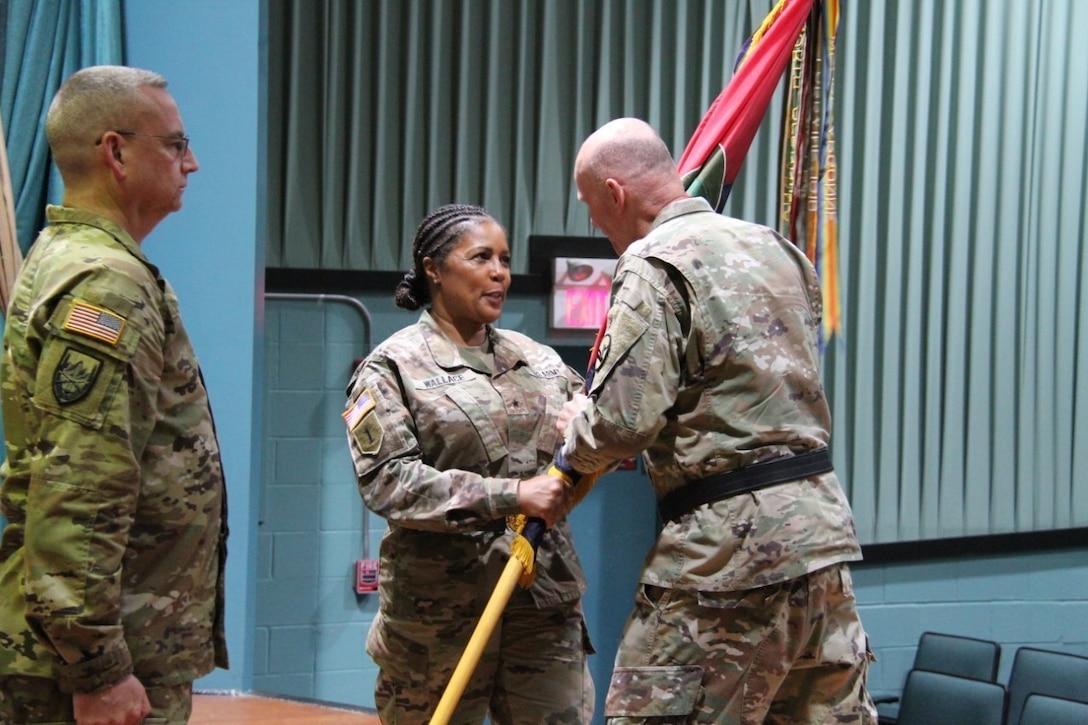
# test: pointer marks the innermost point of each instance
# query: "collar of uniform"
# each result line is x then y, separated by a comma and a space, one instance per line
446, 353
448, 356
681, 207
507, 355
70, 215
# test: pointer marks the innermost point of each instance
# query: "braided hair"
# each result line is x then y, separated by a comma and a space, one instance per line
435, 238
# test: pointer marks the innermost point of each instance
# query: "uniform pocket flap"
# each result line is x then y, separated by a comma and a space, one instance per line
654, 691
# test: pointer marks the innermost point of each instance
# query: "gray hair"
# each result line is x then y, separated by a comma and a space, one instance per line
92, 101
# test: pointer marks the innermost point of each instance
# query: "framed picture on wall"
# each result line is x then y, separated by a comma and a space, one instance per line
579, 271
579, 292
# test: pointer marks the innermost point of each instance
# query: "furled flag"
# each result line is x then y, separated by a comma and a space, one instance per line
799, 34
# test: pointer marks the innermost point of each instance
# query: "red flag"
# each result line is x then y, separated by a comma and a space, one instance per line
799, 34
716, 150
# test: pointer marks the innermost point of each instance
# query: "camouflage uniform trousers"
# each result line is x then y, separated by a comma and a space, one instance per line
38, 700
534, 669
793, 652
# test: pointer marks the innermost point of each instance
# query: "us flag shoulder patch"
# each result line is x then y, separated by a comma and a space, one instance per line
363, 405
86, 319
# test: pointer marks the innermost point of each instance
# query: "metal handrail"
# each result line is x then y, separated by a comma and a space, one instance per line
315, 297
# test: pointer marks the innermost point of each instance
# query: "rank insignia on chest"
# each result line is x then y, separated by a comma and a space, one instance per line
74, 375
363, 405
86, 319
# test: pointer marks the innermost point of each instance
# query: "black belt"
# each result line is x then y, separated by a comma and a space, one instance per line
694, 494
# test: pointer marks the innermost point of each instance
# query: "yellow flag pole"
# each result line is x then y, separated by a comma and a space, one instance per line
520, 568
475, 647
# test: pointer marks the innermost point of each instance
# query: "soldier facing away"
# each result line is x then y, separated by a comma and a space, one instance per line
710, 367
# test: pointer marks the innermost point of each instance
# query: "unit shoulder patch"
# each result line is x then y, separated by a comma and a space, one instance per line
75, 375
368, 435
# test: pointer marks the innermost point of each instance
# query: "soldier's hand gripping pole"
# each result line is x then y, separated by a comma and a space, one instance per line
519, 570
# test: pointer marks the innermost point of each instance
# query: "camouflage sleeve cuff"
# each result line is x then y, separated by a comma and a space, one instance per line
504, 497
95, 674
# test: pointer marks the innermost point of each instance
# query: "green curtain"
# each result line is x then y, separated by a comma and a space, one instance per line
962, 139
963, 180
45, 41
381, 110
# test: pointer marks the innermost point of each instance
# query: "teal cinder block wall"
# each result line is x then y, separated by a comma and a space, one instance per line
310, 626
1037, 599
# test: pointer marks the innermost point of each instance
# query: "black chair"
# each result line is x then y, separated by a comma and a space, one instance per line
1045, 672
951, 654
1047, 710
933, 698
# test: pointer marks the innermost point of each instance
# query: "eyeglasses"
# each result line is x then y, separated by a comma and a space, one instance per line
180, 143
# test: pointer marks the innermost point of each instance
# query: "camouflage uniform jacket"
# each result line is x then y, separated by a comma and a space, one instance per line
112, 559
440, 436
710, 362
